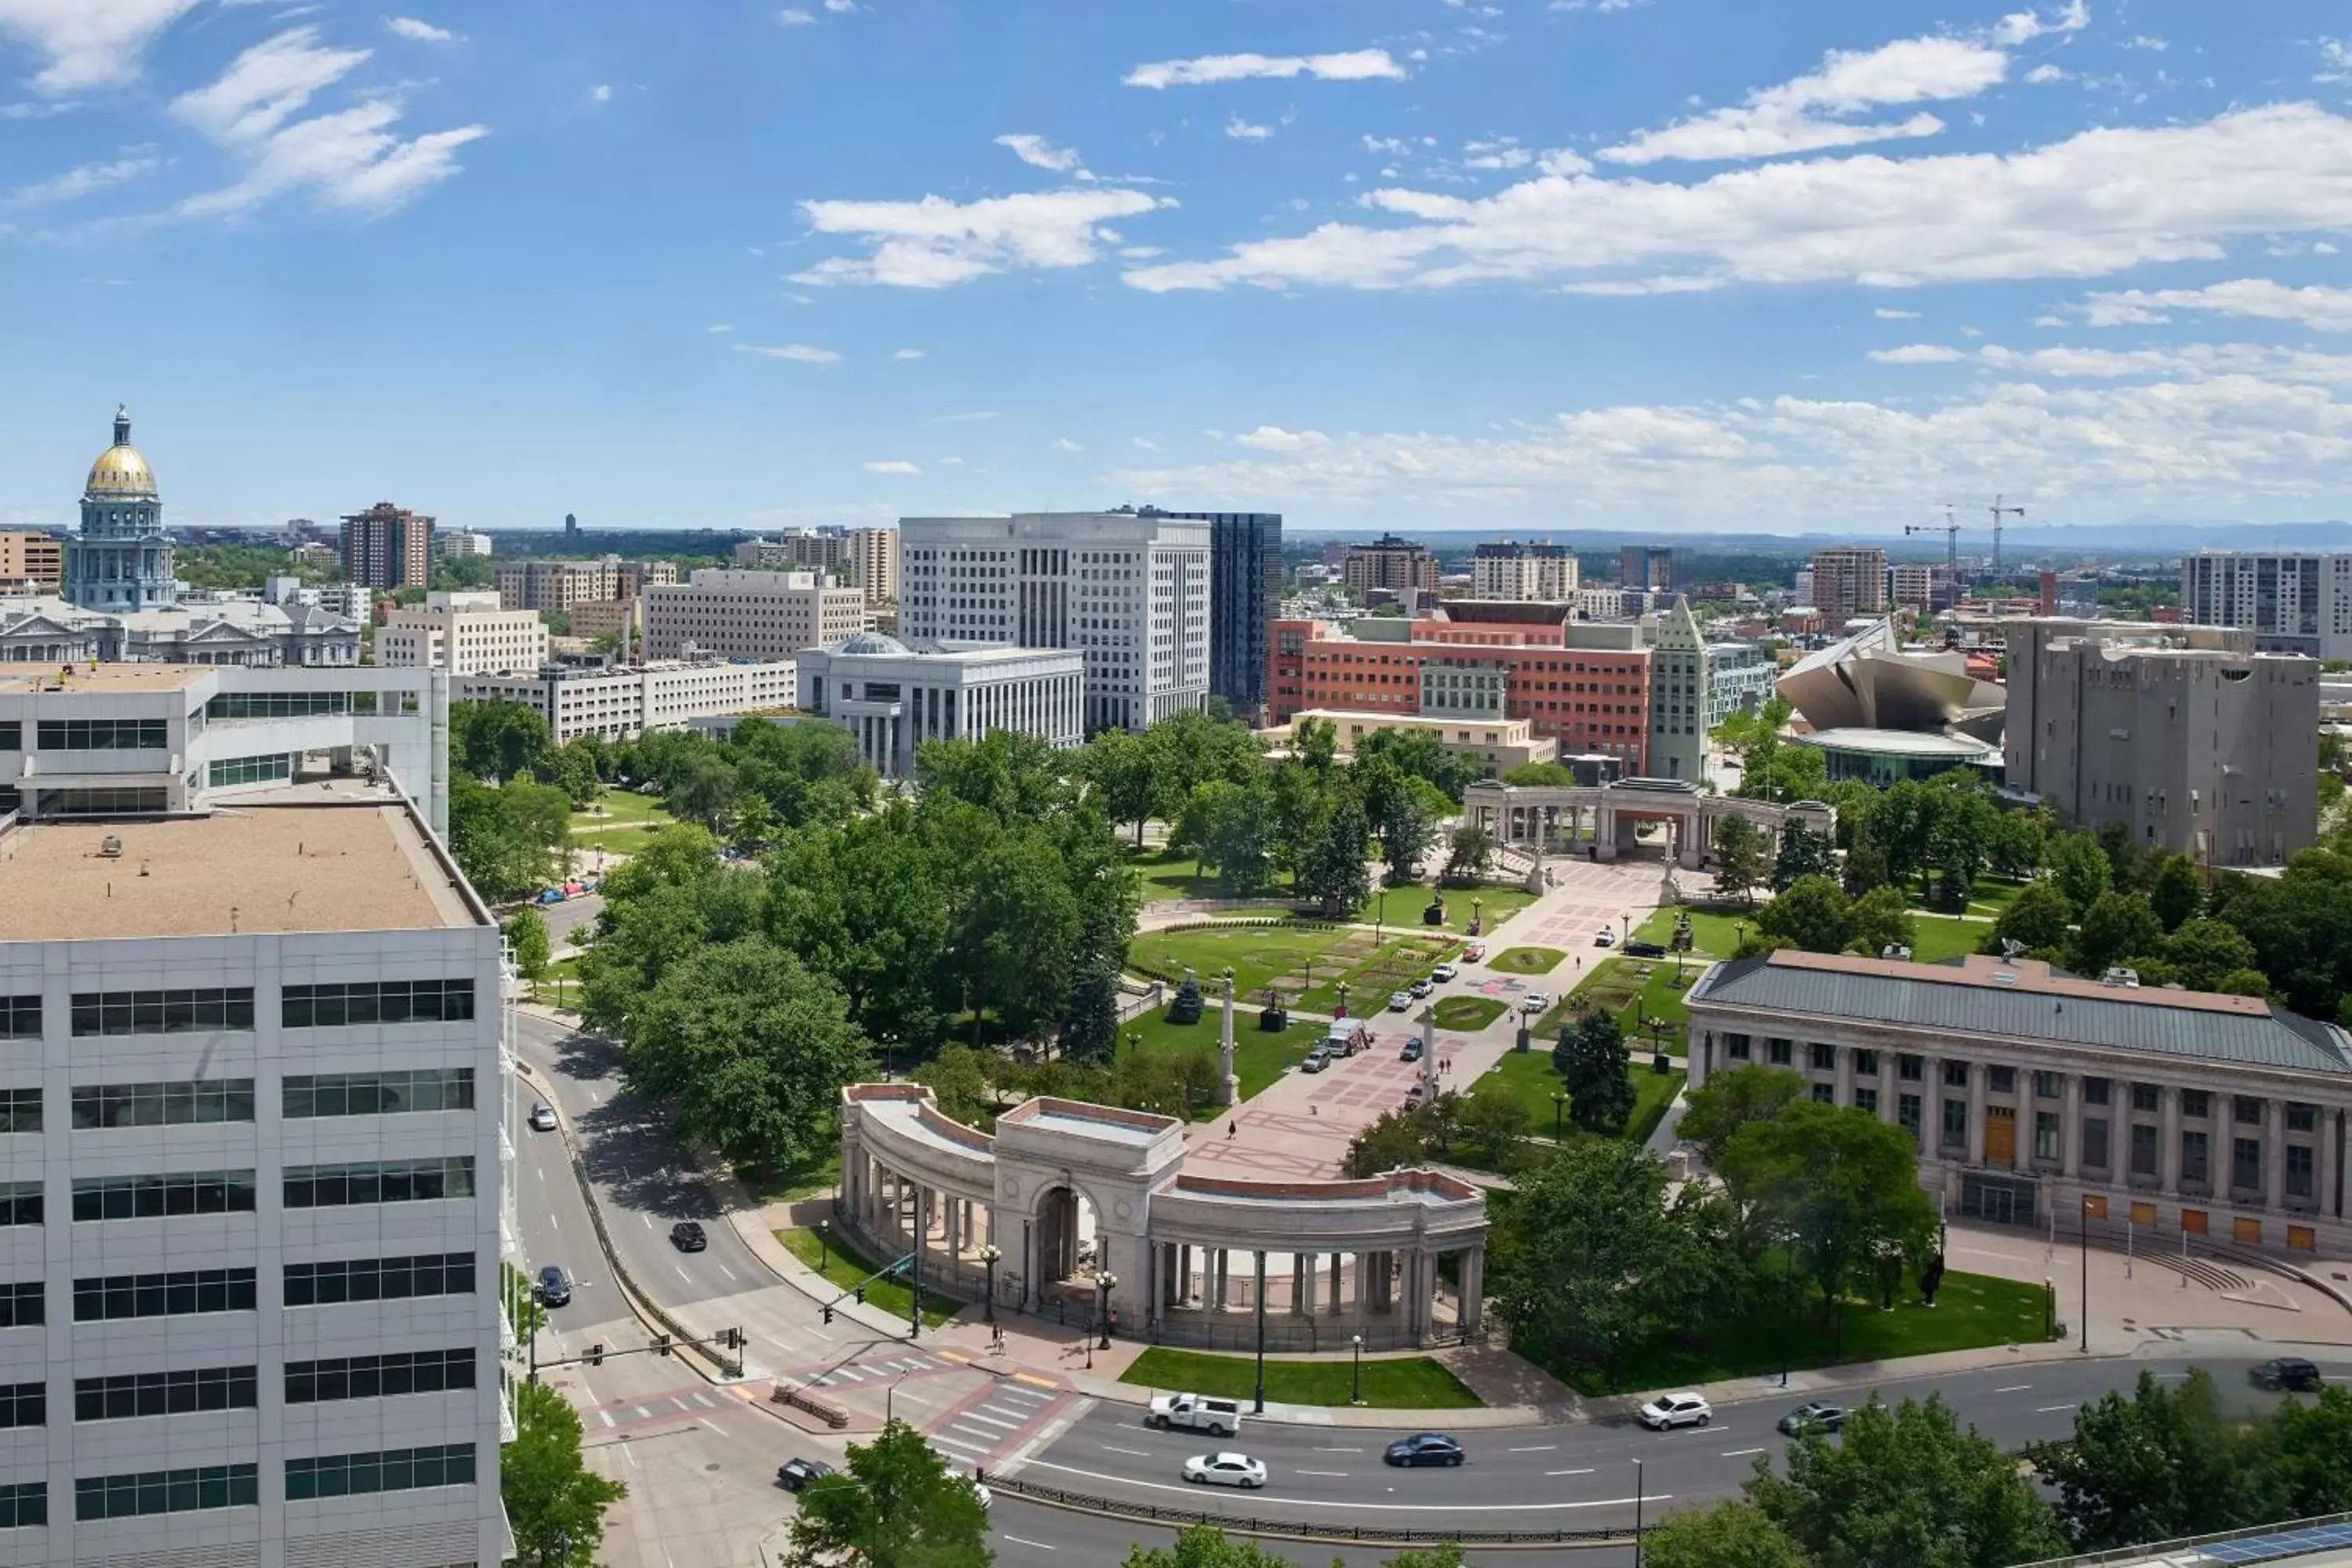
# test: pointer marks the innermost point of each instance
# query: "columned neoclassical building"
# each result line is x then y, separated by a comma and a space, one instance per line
1070, 1194
122, 560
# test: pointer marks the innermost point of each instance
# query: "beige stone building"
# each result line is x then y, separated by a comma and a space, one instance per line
875, 558
1499, 743
749, 615
32, 563
463, 634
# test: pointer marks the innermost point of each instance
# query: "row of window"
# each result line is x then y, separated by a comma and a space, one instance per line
178, 1193
98, 1107
274, 767
193, 1391
231, 1007
383, 1002
102, 735
193, 1292
392, 1093
168, 1195
379, 1181
161, 1012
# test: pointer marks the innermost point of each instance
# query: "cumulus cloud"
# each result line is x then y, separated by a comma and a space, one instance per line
1804, 115
935, 243
2044, 74
1355, 65
601, 93
418, 32
1039, 153
793, 16
1241, 130
911, 354
2024, 26
1918, 353
719, 327
1064, 444
800, 354
892, 466
2319, 308
1887, 313
1274, 439
86, 179
2172, 193
88, 43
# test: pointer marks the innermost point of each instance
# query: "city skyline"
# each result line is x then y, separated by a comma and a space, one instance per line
1433, 266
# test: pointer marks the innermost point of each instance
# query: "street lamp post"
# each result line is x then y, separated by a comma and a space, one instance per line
1343, 1000
2086, 1269
1559, 1103
990, 1255
1637, 1513
1259, 1407
1104, 1284
824, 1246
1379, 917
1356, 1395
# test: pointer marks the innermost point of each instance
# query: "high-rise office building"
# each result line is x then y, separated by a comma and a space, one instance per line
463, 634
1397, 566
32, 563
875, 554
388, 547
1543, 573
2294, 601
1245, 596
122, 560
1647, 566
1849, 580
1678, 694
748, 615
1130, 590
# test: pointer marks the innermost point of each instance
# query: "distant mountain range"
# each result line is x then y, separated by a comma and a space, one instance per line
2133, 536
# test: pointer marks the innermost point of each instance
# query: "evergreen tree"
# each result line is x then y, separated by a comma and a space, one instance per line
1592, 1061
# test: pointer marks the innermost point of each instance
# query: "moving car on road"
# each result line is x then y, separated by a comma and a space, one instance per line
1423, 988
1644, 949
1668, 1410
687, 1236
1816, 1414
1473, 952
554, 1286
795, 1474
2287, 1372
543, 1117
1443, 972
1424, 1448
1195, 1412
1399, 1000
1225, 1470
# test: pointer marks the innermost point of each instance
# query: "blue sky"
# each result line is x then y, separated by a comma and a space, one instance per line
1647, 264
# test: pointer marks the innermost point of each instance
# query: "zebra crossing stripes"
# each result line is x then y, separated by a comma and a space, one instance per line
992, 1421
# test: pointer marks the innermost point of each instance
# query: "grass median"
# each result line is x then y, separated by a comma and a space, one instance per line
1412, 1383
847, 1266
1527, 960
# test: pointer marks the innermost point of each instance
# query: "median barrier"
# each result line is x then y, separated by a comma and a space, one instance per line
817, 1405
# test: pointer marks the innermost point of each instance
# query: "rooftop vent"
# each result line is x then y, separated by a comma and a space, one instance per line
1896, 950
2119, 975
2004, 977
110, 847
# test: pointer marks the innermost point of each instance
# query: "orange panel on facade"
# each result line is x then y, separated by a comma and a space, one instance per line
2095, 1205
2301, 1238
2143, 1213
2193, 1221
2248, 1231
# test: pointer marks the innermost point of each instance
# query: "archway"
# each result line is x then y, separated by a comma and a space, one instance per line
1065, 1247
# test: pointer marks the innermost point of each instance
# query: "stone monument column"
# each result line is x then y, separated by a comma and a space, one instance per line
1429, 1053
1231, 1089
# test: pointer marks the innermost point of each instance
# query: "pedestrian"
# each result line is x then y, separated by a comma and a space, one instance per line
1231, 1128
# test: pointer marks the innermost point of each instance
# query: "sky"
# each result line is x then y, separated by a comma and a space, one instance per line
1648, 265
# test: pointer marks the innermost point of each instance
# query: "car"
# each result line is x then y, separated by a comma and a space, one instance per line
1604, 937
795, 1474
554, 1287
687, 1236
2286, 1372
1317, 1061
1537, 1002
1423, 988
1345, 1039
1443, 972
1225, 1470
1473, 952
1412, 1052
1644, 949
1412, 1093
982, 1496
543, 1117
1399, 1000
1195, 1412
1817, 1415
1424, 1448
1670, 1410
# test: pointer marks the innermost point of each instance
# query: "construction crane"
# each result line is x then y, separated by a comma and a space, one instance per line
1951, 529
1999, 512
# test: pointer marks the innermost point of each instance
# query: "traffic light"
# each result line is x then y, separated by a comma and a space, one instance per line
661, 1345
828, 1311
596, 1356
735, 1339
861, 1295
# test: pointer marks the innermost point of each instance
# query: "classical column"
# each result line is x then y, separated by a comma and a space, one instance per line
1842, 1055
2329, 1125
1335, 1285
2029, 1106
1218, 1265
1889, 1087
2071, 1130
1302, 1298
1976, 1147
2273, 1153
1474, 1289
2167, 1152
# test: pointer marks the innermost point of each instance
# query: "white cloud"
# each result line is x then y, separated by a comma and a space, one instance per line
350, 159
2335, 58
89, 43
1040, 153
721, 327
839, 6
2023, 27
911, 354
1064, 444
86, 179
1918, 353
892, 466
2320, 308
418, 32
971, 416
2172, 193
1628, 288
1885, 313
1146, 444
1241, 130
2153, 45
601, 93
793, 16
1355, 65
1274, 439
935, 243
800, 354
1801, 116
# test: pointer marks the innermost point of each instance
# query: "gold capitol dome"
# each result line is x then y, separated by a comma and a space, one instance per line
120, 473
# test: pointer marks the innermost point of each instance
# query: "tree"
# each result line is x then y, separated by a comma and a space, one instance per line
1907, 1486
1803, 853
2117, 929
1492, 1125
2301, 1464
1090, 1032
749, 1048
1740, 867
1421, 755
959, 1078
1877, 921
526, 933
1469, 853
1206, 1546
1396, 814
2038, 919
498, 740
1239, 827
2155, 1465
555, 1504
893, 1505
1730, 1100
2175, 890
1392, 1141
1902, 824
1865, 868
2203, 952
1592, 1061
1334, 874
1813, 914
1126, 768
511, 841
2016, 846
1960, 841
2079, 868
1728, 1535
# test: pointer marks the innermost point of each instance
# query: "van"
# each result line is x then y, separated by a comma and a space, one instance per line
1345, 1039
1195, 1412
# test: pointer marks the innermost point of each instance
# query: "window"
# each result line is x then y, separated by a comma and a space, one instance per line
1866, 1064
2196, 1102
2143, 1149
24, 1505
20, 1017
2246, 1165
383, 1182
2302, 1117
1825, 1093
1737, 1047
1781, 1051
161, 1196
180, 1295
1956, 1123
131, 802
1956, 1075
2196, 1157
2298, 1171
389, 1002
1865, 1100
393, 1470
378, 1376
161, 1012
2095, 1142
11, 736
103, 734
1910, 1069
23, 1404
2094, 1091
166, 1492
2046, 1135
278, 704
20, 1110
273, 768
2146, 1097
96, 1107
2001, 1080
2047, 1086
20, 1202
1824, 1057
379, 1093
165, 1394
2246, 1109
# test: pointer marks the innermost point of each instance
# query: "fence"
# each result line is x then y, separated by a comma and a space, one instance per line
1406, 1535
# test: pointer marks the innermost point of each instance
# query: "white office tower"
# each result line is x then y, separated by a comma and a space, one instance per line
1129, 590
251, 1113
2294, 601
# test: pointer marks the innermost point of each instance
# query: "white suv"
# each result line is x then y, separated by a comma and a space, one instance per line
1669, 1410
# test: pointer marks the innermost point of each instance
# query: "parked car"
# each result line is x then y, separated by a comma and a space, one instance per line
1317, 1059
1443, 972
1399, 1000
1537, 1002
1424, 1448
2286, 1372
1225, 1470
795, 1474
1644, 949
1423, 988
1604, 937
1195, 1412
1473, 952
1669, 1410
1813, 1413
542, 1116
687, 1236
554, 1287
1412, 1052
982, 1496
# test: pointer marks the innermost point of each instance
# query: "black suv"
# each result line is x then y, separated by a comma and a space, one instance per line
687, 1236
2288, 1373
795, 1474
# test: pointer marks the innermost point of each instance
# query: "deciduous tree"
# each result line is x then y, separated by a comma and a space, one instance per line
555, 1504
2175, 891
2154, 1464
1803, 853
2038, 919
1813, 914
2079, 868
1728, 1535
895, 1504
2117, 929
1592, 1061
526, 933
1729, 1100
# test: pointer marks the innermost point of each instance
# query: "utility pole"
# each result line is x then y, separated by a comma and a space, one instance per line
1999, 512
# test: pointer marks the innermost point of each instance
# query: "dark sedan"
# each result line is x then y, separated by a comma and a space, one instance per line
2287, 1372
793, 1475
1424, 1448
687, 1236
1816, 1415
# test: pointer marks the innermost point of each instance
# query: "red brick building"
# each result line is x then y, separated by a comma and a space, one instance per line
1507, 660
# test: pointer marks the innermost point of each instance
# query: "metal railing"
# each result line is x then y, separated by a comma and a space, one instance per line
1299, 1530
2152, 1550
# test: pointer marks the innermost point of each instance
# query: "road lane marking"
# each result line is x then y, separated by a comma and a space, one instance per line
605, 1417
1368, 1507
643, 1412
681, 1271
993, 1421
2050, 1409
727, 1271
1019, 1541
1338, 1450
1586, 1471
2014, 1388
1341, 1474
1534, 1448
1740, 1453
1034, 1381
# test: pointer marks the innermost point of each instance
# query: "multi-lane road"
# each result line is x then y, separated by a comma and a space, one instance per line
701, 1460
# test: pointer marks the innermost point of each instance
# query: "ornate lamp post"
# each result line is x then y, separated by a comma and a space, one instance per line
1558, 1102
1356, 1395
1343, 999
989, 1256
1104, 1285
824, 1246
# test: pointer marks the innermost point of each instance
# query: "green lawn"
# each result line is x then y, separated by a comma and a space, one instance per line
1992, 894
1716, 933
1259, 1058
1467, 1014
845, 1267
1527, 960
1412, 1383
1294, 955
1971, 1310
1636, 990
1166, 874
1495, 905
614, 813
1528, 1078
1937, 937
814, 1176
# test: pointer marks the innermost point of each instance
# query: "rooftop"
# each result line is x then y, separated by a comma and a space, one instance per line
103, 677
1897, 743
262, 868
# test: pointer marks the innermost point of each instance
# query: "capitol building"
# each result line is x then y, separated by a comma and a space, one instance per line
122, 604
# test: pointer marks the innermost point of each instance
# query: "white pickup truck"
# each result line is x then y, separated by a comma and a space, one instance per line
1196, 1413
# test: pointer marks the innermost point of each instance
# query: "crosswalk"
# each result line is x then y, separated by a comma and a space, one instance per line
986, 1428
667, 1407
873, 1369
